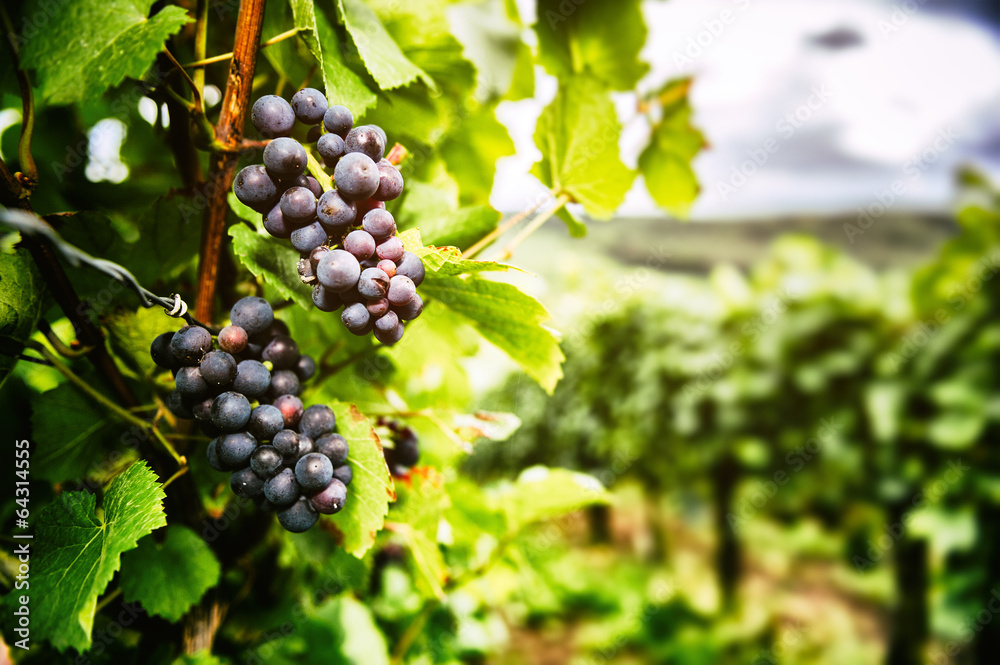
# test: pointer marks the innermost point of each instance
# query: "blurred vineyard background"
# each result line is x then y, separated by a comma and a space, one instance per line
795, 411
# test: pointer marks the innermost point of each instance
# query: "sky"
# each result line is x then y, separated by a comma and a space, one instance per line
809, 106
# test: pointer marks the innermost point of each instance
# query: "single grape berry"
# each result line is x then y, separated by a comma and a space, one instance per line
305, 368
246, 484
309, 106
379, 223
179, 406
338, 120
377, 307
255, 188
390, 249
286, 442
299, 517
265, 422
367, 141
334, 212
317, 420
333, 446
401, 290
282, 490
326, 300
391, 337
390, 181
252, 378
360, 243
387, 323
306, 446
332, 498
298, 206
233, 339
388, 266
344, 474
213, 456
203, 410
253, 314
282, 352
411, 266
407, 450
265, 461
285, 158
313, 185
285, 382
231, 411
234, 449
190, 384
356, 318
410, 310
373, 284
331, 149
272, 116
276, 225
291, 409
161, 353
313, 472
356, 176
308, 237
338, 271
190, 344
218, 368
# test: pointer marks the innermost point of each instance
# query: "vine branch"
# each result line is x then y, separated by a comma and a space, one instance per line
224, 159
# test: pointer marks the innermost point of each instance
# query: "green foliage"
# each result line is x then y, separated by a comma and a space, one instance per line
79, 550
21, 294
382, 57
71, 430
169, 577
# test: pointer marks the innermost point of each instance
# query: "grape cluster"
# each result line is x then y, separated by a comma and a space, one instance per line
405, 451
350, 252
280, 453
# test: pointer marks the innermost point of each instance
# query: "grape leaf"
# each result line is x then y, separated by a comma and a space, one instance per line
666, 161
358, 638
577, 135
471, 149
87, 47
440, 222
381, 55
343, 85
21, 292
169, 577
492, 42
78, 550
274, 262
372, 489
575, 37
507, 317
422, 502
577, 229
69, 431
541, 493
130, 334
447, 261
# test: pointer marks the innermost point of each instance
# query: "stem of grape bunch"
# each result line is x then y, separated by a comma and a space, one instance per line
229, 133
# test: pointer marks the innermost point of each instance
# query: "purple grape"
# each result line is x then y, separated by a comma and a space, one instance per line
331, 499
255, 188
325, 300
401, 290
298, 206
367, 141
309, 106
313, 472
265, 421
390, 249
190, 344
387, 266
410, 310
282, 352
203, 410
387, 323
305, 368
355, 318
411, 266
160, 352
246, 484
285, 382
213, 456
272, 116
317, 420
230, 411
298, 517
218, 368
338, 120
334, 213
356, 176
379, 223
378, 307
275, 224
360, 244
252, 378
253, 314
391, 337
309, 237
331, 149
344, 474
313, 134
286, 442
285, 158
190, 384
233, 339
338, 271
333, 446
265, 461
234, 450
373, 284
390, 181
291, 409
282, 489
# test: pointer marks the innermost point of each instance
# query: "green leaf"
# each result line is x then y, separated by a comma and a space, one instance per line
440, 223
492, 42
381, 55
70, 431
169, 577
471, 149
447, 261
343, 85
577, 135
271, 260
358, 638
507, 317
541, 493
423, 501
131, 333
372, 488
21, 297
87, 47
666, 161
600, 38
577, 229
78, 551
